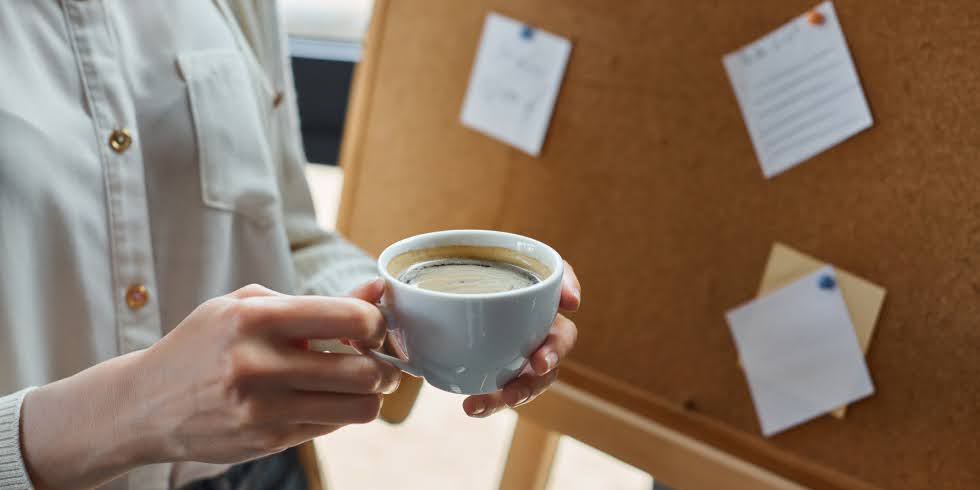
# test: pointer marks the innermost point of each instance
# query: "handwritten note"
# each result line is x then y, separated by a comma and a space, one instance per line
798, 90
514, 82
799, 351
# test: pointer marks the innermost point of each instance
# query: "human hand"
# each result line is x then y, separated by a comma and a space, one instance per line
542, 370
233, 381
230, 382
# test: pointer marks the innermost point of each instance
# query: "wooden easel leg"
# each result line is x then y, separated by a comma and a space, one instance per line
529, 459
311, 466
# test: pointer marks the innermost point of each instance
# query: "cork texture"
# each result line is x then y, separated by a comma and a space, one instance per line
648, 185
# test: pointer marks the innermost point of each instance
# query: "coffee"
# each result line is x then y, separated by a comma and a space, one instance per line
473, 335
464, 269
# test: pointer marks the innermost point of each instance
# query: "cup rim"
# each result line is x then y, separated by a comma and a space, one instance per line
555, 276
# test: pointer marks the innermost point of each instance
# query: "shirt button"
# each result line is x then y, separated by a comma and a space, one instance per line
137, 296
120, 140
277, 100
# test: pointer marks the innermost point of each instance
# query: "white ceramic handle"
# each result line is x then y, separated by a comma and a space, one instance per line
394, 361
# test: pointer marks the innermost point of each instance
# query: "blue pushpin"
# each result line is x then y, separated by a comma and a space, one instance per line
827, 283
527, 32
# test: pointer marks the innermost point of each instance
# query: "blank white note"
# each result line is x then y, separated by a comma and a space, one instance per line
798, 91
514, 82
799, 351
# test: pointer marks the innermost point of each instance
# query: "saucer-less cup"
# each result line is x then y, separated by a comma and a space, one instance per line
469, 343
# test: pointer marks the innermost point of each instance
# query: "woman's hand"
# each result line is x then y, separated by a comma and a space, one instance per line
544, 362
230, 383
542, 370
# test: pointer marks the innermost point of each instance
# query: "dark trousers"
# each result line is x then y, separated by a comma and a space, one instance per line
280, 471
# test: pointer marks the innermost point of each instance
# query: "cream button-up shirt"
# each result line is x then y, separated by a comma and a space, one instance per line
150, 159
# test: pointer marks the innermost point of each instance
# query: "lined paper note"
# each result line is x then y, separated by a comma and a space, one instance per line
798, 91
514, 82
799, 351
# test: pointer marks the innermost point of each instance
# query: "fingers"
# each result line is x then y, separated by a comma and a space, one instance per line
328, 408
556, 346
526, 388
529, 385
571, 290
305, 432
252, 290
313, 317
333, 372
370, 291
518, 392
481, 406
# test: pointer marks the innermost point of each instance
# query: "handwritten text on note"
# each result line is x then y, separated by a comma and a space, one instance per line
798, 90
515, 82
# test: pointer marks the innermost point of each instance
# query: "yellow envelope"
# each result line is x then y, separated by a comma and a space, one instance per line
863, 298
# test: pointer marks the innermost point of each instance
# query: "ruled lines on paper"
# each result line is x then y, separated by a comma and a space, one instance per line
798, 90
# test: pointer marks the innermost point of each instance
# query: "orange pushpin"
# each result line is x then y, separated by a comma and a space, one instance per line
815, 18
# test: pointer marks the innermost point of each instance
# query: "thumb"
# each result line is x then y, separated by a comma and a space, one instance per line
369, 291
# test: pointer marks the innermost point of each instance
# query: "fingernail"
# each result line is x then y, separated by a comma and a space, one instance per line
551, 360
578, 294
477, 410
525, 394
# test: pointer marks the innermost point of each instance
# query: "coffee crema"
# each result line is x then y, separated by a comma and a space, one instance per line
464, 269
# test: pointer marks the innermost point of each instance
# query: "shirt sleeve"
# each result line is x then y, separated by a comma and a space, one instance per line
325, 263
13, 472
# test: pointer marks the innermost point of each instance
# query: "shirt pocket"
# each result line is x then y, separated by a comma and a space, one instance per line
236, 168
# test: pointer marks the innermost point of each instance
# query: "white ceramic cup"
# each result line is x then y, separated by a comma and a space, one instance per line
469, 343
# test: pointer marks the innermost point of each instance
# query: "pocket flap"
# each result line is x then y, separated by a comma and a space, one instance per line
235, 163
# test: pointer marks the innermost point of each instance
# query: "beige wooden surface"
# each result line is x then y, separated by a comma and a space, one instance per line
399, 404
311, 466
532, 451
676, 459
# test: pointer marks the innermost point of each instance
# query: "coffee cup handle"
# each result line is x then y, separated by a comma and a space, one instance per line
394, 361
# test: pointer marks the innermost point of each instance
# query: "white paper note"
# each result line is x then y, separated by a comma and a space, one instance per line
515, 82
799, 351
798, 91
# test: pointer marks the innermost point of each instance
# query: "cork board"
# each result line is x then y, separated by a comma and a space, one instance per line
648, 185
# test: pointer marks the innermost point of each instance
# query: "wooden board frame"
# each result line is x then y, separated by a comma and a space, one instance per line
398, 405
896, 204
668, 455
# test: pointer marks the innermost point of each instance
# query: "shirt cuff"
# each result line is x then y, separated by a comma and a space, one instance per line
332, 269
13, 473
